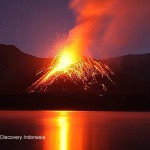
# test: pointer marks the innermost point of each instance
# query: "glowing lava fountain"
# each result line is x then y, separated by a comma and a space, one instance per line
71, 66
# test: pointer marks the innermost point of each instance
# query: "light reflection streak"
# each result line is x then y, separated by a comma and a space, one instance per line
63, 132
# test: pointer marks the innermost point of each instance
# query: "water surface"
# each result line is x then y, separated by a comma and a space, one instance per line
76, 130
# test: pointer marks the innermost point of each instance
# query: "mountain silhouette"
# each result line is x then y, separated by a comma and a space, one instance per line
18, 71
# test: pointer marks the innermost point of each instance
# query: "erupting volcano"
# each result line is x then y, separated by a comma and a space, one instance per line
70, 62
69, 65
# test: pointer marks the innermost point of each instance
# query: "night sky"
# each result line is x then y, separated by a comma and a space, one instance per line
34, 26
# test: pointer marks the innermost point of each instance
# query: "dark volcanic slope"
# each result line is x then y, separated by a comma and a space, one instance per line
18, 71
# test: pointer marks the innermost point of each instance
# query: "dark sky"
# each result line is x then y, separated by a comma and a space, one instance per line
34, 26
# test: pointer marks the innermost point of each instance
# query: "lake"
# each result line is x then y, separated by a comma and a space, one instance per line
74, 130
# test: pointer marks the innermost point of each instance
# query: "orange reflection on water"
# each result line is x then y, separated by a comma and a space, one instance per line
62, 120
61, 133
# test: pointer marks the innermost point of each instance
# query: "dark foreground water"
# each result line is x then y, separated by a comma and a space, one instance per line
74, 130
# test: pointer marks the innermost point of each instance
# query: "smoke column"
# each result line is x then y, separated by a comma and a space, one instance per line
89, 14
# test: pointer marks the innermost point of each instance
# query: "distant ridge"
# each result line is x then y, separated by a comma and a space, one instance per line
18, 71
136, 65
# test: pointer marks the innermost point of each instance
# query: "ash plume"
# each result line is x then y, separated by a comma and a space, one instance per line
89, 14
